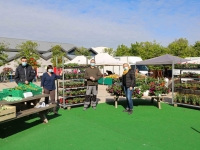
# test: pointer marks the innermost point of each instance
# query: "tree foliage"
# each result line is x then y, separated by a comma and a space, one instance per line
58, 53
146, 50
83, 51
3, 55
110, 51
181, 48
29, 50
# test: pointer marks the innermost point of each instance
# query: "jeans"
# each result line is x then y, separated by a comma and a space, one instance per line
128, 94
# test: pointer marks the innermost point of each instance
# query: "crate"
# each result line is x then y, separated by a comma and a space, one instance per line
37, 91
1, 95
17, 93
7, 91
9, 113
105, 81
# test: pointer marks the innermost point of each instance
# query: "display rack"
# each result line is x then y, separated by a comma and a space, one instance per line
76, 85
188, 90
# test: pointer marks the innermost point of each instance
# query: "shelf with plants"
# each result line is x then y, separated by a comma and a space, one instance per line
188, 92
154, 86
72, 88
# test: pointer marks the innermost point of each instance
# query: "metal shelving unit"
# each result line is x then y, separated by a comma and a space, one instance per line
68, 105
189, 90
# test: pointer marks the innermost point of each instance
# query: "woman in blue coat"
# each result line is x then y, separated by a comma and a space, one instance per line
49, 87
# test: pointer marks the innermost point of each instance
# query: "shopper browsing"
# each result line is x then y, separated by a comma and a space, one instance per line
49, 87
128, 82
24, 72
92, 74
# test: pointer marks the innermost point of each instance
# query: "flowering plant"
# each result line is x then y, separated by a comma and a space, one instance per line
31, 61
7, 70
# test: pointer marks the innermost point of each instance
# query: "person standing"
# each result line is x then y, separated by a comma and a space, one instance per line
49, 87
92, 75
128, 82
24, 72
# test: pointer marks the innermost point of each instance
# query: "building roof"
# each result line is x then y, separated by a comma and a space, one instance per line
99, 49
43, 46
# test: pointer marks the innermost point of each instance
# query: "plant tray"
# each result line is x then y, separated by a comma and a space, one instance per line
9, 113
17, 93
37, 92
7, 92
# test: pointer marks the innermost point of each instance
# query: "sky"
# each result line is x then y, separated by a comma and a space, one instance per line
93, 23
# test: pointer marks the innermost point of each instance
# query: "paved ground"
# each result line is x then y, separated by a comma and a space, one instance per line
103, 96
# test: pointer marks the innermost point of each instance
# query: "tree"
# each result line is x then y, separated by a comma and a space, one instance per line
122, 50
58, 53
83, 51
110, 51
3, 55
182, 48
149, 50
29, 49
196, 48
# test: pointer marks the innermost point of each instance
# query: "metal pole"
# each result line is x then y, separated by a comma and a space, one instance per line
173, 82
103, 77
57, 79
63, 81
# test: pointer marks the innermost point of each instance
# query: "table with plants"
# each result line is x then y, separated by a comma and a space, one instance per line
156, 88
12, 102
72, 88
188, 89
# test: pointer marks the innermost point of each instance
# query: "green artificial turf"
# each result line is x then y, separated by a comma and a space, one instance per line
107, 128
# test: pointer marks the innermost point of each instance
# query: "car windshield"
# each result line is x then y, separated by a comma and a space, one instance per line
140, 67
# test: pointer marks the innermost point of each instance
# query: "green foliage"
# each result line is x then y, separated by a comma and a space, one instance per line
83, 51
181, 48
58, 53
122, 50
29, 50
3, 55
196, 48
146, 50
110, 51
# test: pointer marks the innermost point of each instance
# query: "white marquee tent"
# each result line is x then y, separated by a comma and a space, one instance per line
104, 59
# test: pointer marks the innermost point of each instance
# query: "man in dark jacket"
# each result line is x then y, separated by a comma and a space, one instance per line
24, 73
92, 74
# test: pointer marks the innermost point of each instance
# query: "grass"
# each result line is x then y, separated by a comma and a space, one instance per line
107, 128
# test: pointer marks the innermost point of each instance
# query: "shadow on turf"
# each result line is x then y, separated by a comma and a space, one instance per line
12, 127
136, 102
195, 130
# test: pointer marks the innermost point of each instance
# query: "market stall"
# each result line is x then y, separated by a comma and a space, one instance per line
104, 59
164, 60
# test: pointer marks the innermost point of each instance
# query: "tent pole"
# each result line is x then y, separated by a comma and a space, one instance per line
103, 73
172, 82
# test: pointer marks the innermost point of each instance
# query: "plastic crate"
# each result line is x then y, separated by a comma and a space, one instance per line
8, 92
37, 92
105, 81
1, 95
38, 89
17, 93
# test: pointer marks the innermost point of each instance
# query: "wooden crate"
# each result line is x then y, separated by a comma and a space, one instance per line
9, 113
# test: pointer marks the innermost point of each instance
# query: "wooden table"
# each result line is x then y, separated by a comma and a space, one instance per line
156, 98
27, 111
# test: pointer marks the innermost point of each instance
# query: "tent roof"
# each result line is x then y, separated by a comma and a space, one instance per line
81, 60
164, 59
105, 59
196, 61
